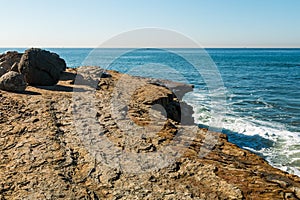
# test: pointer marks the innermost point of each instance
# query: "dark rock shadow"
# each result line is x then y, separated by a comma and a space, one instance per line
58, 88
62, 88
67, 76
30, 93
24, 92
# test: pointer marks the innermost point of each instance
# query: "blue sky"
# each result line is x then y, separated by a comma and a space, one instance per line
212, 23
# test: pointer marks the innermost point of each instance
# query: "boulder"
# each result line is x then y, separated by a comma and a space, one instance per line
15, 67
2, 71
41, 67
4, 64
12, 81
8, 59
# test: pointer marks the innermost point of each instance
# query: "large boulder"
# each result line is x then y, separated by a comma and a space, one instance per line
12, 81
10, 58
41, 67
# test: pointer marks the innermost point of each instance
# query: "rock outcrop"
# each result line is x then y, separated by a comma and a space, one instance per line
41, 67
50, 147
12, 81
9, 59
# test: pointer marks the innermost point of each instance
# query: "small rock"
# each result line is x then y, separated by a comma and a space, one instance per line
297, 191
289, 196
13, 81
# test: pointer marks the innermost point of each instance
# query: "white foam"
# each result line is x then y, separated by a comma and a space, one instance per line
283, 154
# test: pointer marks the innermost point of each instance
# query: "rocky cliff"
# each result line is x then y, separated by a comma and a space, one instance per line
134, 139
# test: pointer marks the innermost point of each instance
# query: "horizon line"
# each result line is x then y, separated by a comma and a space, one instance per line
208, 47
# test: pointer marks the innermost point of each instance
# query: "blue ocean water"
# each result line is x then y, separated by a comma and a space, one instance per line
262, 91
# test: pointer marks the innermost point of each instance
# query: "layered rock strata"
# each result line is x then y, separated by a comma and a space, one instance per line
50, 148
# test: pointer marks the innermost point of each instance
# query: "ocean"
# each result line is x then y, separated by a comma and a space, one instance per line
262, 91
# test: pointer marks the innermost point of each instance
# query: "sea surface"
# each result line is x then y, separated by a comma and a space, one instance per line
261, 107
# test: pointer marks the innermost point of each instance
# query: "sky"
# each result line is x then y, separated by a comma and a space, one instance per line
211, 23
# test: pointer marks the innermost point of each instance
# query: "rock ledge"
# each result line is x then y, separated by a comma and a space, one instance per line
42, 155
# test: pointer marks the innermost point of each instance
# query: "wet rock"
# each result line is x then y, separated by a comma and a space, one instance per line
41, 67
13, 81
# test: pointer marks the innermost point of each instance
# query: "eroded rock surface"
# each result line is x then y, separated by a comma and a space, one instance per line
41, 67
13, 81
9, 59
43, 154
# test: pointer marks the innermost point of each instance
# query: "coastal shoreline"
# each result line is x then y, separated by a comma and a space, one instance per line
43, 155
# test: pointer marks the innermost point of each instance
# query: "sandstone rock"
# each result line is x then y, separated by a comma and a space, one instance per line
153, 94
179, 89
41, 67
90, 75
297, 192
47, 158
13, 81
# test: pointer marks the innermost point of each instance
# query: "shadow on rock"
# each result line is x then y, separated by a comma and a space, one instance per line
59, 88
31, 93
